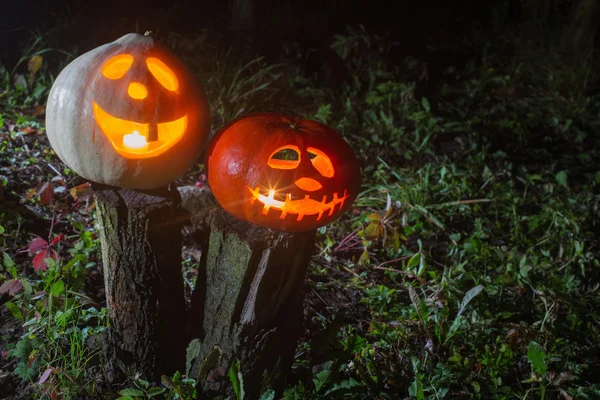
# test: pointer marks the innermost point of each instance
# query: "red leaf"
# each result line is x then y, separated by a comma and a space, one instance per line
57, 239
39, 261
37, 244
11, 287
45, 375
46, 194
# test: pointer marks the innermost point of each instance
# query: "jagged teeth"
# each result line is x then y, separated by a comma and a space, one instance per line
288, 198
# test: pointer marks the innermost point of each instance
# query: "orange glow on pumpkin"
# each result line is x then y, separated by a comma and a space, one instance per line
116, 129
300, 207
282, 172
279, 163
162, 73
137, 91
308, 184
321, 162
116, 67
135, 142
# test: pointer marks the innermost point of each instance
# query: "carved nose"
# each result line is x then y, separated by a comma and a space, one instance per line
308, 184
137, 91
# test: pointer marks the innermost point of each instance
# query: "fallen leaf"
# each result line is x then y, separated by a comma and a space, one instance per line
34, 64
11, 287
30, 193
565, 395
39, 110
59, 180
45, 375
81, 191
46, 194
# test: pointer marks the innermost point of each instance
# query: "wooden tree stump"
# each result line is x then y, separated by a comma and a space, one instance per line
140, 233
247, 304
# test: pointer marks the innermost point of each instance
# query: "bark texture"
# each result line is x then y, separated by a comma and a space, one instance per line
140, 234
247, 304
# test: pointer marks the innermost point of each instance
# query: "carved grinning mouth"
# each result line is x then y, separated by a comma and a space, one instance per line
300, 207
169, 133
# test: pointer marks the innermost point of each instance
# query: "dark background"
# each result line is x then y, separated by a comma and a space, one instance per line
81, 25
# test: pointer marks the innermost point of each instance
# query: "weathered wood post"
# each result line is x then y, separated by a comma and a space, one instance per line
131, 115
140, 233
272, 173
247, 304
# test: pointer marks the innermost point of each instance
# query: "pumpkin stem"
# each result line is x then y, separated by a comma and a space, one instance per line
148, 33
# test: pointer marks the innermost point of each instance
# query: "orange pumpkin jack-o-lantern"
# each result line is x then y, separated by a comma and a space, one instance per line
282, 172
128, 114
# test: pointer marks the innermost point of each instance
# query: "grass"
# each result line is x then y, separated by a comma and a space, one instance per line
468, 268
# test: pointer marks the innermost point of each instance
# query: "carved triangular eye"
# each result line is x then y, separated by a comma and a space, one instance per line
286, 157
162, 73
117, 66
321, 162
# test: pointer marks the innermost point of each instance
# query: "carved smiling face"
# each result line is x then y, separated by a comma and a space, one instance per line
128, 114
282, 172
307, 195
157, 129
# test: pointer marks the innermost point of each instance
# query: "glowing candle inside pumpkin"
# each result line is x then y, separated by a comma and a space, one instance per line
135, 141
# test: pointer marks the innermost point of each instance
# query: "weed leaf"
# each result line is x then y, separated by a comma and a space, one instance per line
414, 298
463, 304
321, 378
14, 310
561, 178
235, 376
415, 390
537, 358
131, 392
268, 395
210, 361
8, 262
192, 352
57, 288
468, 297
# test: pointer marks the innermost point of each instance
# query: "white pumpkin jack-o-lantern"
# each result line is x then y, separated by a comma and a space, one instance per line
128, 114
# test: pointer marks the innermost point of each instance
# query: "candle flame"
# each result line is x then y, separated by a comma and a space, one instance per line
135, 141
